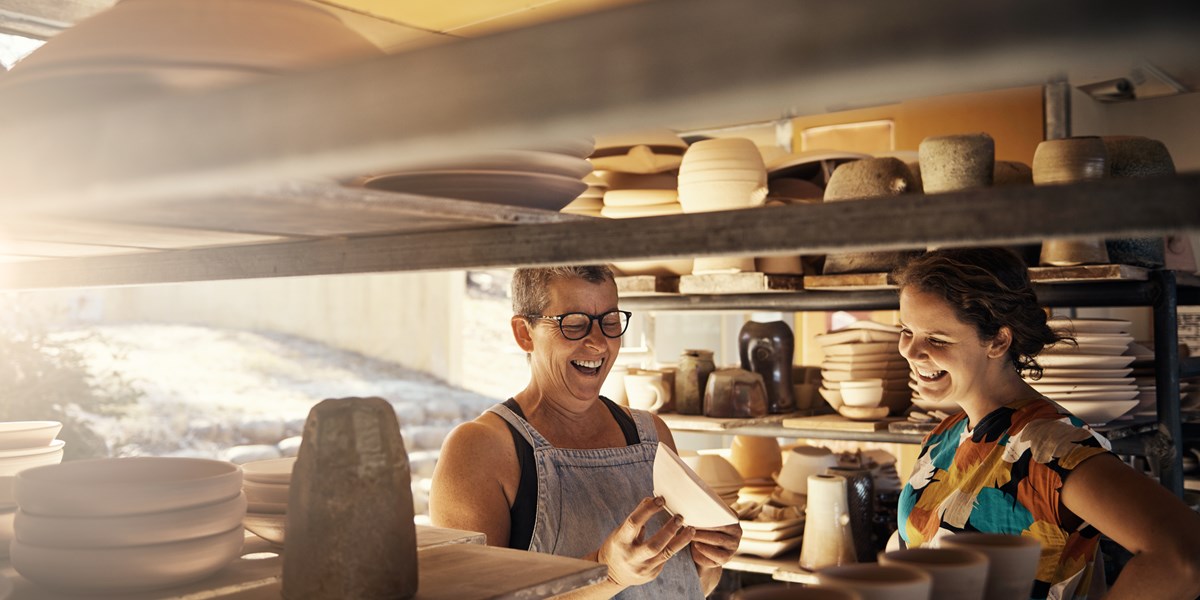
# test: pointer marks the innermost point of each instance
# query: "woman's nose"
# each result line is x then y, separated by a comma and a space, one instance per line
909, 348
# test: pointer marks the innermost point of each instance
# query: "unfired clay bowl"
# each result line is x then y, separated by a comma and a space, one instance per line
951, 163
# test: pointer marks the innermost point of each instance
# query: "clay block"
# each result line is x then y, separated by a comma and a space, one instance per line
350, 531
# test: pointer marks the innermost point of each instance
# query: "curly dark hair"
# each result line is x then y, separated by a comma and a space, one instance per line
988, 288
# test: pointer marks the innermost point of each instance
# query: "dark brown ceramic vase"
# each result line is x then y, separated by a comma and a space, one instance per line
767, 349
350, 531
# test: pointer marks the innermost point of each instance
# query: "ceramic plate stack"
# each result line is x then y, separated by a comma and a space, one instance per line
546, 179
591, 201
23, 445
717, 472
771, 537
122, 525
641, 152
267, 484
864, 355
632, 195
1092, 379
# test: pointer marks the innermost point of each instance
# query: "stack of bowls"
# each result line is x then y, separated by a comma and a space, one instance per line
799, 463
722, 174
267, 485
123, 525
717, 472
23, 445
863, 375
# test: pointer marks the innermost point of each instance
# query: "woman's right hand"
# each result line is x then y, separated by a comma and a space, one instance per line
633, 560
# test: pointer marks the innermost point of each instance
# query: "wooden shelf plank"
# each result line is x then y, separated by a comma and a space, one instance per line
847, 282
702, 423
644, 285
1088, 273
739, 283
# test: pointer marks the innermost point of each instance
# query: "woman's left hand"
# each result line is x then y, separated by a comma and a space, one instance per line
714, 547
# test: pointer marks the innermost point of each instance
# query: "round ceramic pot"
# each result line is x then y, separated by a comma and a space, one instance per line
951, 163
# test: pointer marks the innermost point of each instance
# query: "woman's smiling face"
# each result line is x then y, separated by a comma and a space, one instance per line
949, 359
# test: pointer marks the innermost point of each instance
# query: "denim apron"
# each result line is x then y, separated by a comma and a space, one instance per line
583, 495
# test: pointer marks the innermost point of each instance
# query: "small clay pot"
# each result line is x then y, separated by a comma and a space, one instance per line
951, 163
1137, 157
1070, 160
868, 178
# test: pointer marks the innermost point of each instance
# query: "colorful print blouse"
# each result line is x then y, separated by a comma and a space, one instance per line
1006, 477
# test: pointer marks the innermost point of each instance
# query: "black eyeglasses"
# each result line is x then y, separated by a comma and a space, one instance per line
577, 325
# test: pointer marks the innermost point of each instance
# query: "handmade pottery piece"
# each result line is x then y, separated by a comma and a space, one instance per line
275, 470
756, 457
692, 379
958, 574
802, 462
878, 582
952, 163
827, 537
1137, 157
860, 494
1071, 160
1012, 561
768, 349
686, 494
16, 435
735, 393
869, 178
646, 391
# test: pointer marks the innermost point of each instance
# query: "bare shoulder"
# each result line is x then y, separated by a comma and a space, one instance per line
476, 478
484, 440
664, 432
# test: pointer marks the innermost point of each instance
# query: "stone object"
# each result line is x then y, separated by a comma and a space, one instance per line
350, 531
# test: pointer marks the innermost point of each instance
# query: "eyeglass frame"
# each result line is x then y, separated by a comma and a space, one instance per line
592, 319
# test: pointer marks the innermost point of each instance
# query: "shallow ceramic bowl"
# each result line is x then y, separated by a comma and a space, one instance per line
110, 487
16, 435
127, 570
273, 493
862, 397
275, 470
755, 457
20, 460
133, 530
714, 470
801, 462
1069, 160
1097, 412
270, 527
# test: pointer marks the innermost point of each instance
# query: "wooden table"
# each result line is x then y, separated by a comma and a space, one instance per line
453, 564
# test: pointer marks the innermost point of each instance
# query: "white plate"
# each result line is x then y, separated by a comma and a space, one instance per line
635, 198
1092, 361
1097, 412
530, 190
1098, 396
1089, 373
856, 336
769, 526
1091, 325
1081, 388
1086, 348
862, 348
774, 535
686, 494
1106, 381
768, 549
516, 161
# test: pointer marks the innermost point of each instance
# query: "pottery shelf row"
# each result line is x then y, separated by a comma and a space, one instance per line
1160, 440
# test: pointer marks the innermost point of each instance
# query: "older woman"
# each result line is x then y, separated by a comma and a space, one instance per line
559, 468
1014, 462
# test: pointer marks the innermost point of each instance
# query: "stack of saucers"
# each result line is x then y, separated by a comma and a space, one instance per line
591, 201
124, 525
23, 445
1091, 378
717, 472
267, 485
862, 355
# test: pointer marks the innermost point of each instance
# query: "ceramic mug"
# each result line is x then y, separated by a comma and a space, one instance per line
1012, 561
613, 387
958, 573
645, 390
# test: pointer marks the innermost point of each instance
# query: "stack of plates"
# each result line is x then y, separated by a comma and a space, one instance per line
267, 485
863, 351
591, 201
122, 525
769, 539
1092, 380
548, 178
643, 152
23, 445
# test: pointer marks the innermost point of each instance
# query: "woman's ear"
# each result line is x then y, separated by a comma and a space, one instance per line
521, 333
1000, 344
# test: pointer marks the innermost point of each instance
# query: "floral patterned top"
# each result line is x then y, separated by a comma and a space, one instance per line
1006, 477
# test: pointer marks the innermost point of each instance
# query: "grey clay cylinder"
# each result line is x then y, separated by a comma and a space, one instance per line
350, 531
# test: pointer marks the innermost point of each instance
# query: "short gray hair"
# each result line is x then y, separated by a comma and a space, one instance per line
531, 285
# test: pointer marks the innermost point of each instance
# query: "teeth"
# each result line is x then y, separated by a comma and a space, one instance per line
589, 364
929, 374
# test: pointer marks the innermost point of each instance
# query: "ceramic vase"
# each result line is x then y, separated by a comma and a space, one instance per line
827, 537
860, 494
767, 349
691, 380
735, 394
1071, 160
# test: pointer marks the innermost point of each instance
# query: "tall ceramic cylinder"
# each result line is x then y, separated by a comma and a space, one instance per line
827, 539
767, 349
350, 531
690, 381
860, 492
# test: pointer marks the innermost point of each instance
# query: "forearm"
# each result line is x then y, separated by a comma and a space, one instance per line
1149, 576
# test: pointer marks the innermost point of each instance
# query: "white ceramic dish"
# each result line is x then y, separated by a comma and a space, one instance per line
110, 487
1076, 361
1097, 412
270, 527
1091, 325
861, 397
863, 413
134, 530
766, 549
640, 197
1090, 373
764, 527
269, 493
15, 464
774, 535
127, 570
275, 470
686, 493
530, 190
17, 435
1089, 348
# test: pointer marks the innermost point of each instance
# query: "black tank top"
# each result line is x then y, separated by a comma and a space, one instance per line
524, 508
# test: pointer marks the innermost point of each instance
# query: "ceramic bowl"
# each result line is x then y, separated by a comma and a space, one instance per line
866, 397
714, 470
110, 487
275, 470
755, 457
852, 384
133, 530
870, 178
15, 461
126, 570
951, 163
1070, 160
877, 582
801, 462
18, 435
686, 493
268, 526
270, 493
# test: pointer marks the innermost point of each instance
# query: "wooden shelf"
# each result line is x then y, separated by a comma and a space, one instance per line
772, 426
